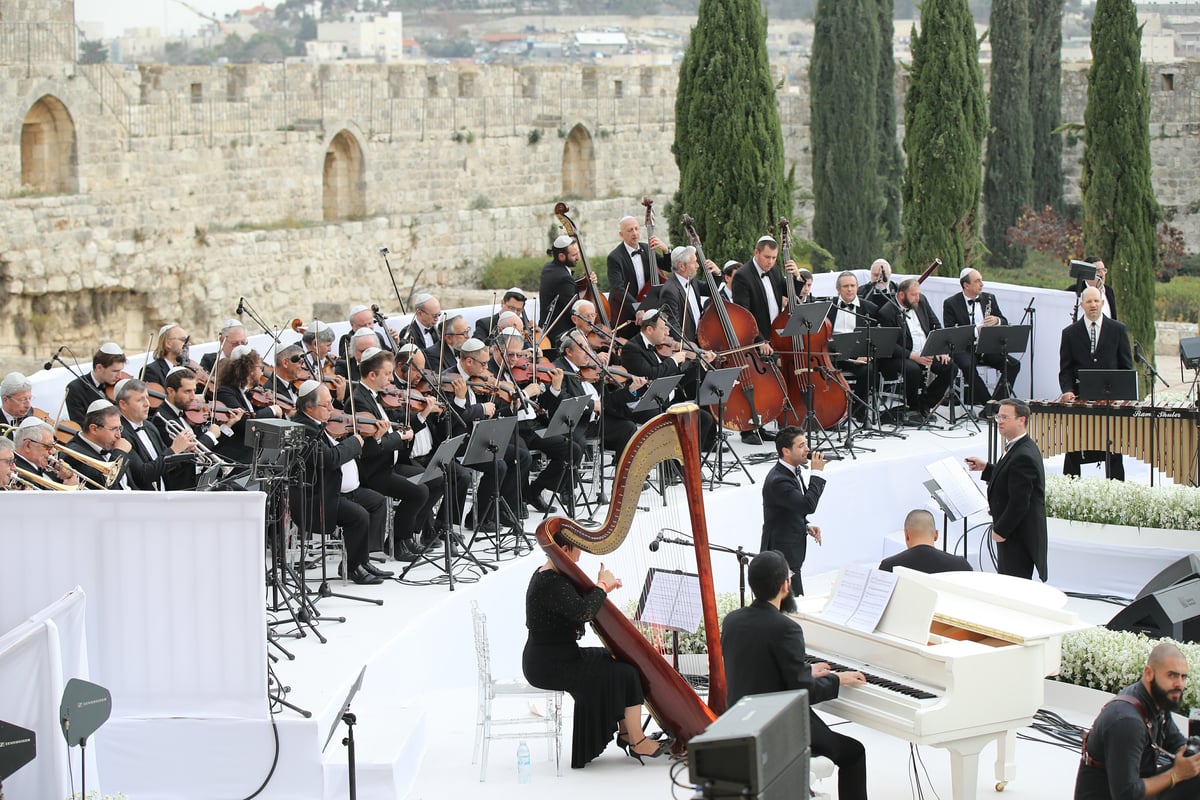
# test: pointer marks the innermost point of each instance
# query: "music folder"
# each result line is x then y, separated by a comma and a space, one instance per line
1108, 384
444, 453
657, 396
567, 416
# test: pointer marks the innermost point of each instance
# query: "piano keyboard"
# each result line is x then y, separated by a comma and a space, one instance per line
875, 680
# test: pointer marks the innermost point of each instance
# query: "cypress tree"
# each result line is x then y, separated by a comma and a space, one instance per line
1008, 177
728, 141
891, 162
843, 102
944, 125
1120, 213
1045, 101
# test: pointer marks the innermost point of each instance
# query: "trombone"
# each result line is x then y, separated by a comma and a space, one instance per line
34, 481
204, 455
109, 470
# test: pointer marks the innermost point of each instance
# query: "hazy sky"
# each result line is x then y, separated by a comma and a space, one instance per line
167, 15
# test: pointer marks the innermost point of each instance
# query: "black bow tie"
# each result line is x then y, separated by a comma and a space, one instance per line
846, 306
633, 253
971, 303
137, 429
428, 331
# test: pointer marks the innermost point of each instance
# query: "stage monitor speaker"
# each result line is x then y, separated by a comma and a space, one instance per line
1184, 569
758, 748
1171, 612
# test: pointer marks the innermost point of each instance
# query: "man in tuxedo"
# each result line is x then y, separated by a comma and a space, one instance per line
107, 363
34, 442
1094, 342
231, 335
852, 313
618, 424
557, 290
359, 342
1109, 307
727, 272
758, 287
788, 499
629, 268
910, 312
168, 353
289, 367
452, 331
513, 300
99, 437
16, 398
154, 463
974, 306
920, 538
764, 652
333, 496
1016, 495
680, 298
881, 285
180, 389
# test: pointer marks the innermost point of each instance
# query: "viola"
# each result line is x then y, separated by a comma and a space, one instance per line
525, 371
64, 430
110, 391
421, 402
340, 424
198, 412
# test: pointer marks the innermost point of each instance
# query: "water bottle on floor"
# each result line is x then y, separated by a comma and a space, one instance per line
524, 767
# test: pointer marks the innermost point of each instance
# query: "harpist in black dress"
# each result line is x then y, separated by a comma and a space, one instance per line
607, 693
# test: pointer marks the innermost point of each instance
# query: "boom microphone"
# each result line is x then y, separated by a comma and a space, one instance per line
241, 305
656, 543
53, 358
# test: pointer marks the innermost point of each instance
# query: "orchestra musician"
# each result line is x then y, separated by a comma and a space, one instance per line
974, 306
513, 300
557, 287
921, 552
911, 313
452, 332
680, 298
788, 500
1109, 306
362, 341
180, 389
107, 363
880, 286
727, 272
34, 441
289, 369
1094, 342
8, 458
317, 341
335, 497
153, 463
168, 353
231, 335
764, 652
236, 377
100, 437
607, 692
630, 265
16, 399
611, 402
426, 311
850, 313
759, 288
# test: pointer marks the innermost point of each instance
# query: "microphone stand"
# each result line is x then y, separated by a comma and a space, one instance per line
743, 557
1137, 355
1029, 312
383, 251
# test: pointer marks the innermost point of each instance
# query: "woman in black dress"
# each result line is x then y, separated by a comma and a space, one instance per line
607, 693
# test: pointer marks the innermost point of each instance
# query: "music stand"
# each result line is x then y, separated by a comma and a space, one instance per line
1189, 356
566, 419
714, 391
803, 319
18, 746
489, 441
880, 340
1082, 272
1002, 339
1108, 384
345, 716
657, 396
847, 347
948, 342
671, 600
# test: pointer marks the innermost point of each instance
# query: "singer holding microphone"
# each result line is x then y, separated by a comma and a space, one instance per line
607, 693
788, 499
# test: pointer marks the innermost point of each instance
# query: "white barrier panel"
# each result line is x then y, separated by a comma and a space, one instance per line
175, 619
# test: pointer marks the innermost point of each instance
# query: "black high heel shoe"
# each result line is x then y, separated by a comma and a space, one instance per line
664, 745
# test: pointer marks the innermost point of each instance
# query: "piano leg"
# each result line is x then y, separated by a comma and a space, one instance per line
964, 764
1006, 759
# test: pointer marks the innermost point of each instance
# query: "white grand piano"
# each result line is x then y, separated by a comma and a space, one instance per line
957, 660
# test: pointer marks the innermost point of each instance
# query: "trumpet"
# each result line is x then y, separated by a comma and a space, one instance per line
204, 454
34, 481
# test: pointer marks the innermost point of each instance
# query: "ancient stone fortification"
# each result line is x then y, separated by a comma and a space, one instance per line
135, 196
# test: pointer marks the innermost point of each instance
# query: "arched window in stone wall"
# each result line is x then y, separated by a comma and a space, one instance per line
49, 160
579, 165
344, 189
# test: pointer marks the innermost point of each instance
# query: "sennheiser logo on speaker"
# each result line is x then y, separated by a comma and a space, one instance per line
91, 702
15, 742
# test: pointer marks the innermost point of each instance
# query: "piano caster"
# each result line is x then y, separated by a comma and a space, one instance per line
1000, 785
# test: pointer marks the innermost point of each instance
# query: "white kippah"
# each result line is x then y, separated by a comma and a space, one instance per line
472, 345
649, 316
370, 353
357, 310
166, 328
409, 348
318, 327
231, 323
32, 422
308, 387
510, 332
422, 299
120, 383
517, 290
173, 370
241, 351
766, 238
507, 315
730, 263
563, 242
966, 271
99, 405
365, 333
111, 349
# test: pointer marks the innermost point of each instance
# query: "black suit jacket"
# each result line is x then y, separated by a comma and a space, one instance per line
81, 393
80, 446
622, 280
748, 292
318, 495
234, 447
672, 301
955, 312
763, 651
889, 317
1017, 500
378, 457
156, 371
926, 558
785, 513
638, 358
144, 470
613, 398
1075, 351
556, 292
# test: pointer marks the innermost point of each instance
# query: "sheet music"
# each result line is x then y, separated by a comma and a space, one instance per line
861, 598
671, 600
959, 490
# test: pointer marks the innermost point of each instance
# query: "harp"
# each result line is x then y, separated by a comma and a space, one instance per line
672, 701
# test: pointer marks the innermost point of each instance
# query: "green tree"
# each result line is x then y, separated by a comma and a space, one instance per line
92, 51
728, 141
844, 130
1045, 101
944, 125
891, 161
1120, 214
1007, 181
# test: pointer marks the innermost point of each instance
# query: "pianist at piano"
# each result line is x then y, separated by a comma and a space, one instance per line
1127, 751
764, 652
921, 553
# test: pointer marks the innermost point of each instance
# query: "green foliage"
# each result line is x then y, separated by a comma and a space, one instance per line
689, 643
502, 272
535, 136
844, 129
1045, 101
1177, 301
891, 162
728, 141
1120, 214
944, 125
448, 48
92, 51
1007, 183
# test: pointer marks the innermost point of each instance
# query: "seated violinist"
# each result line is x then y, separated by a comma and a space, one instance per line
362, 341
319, 360
168, 352
107, 364
180, 389
578, 362
231, 335
16, 399
514, 300
289, 372
239, 378
452, 331
427, 310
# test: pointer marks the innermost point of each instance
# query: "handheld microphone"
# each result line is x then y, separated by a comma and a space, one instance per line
656, 543
384, 251
241, 306
53, 358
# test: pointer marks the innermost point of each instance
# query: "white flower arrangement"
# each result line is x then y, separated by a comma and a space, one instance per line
1111, 660
1107, 502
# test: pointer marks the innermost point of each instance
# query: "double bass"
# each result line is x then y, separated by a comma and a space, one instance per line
655, 273
806, 366
727, 329
586, 286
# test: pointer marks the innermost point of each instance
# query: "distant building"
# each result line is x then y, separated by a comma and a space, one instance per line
599, 43
360, 36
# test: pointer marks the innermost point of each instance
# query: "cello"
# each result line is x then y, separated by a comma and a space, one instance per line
586, 286
724, 327
812, 381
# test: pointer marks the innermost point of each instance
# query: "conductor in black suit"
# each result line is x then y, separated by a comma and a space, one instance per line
1016, 495
911, 313
974, 306
921, 553
788, 499
764, 652
629, 268
1094, 342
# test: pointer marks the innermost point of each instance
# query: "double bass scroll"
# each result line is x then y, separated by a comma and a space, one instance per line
672, 435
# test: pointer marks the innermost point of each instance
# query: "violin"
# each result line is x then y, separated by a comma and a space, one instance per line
340, 424
525, 371
110, 391
198, 413
420, 402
